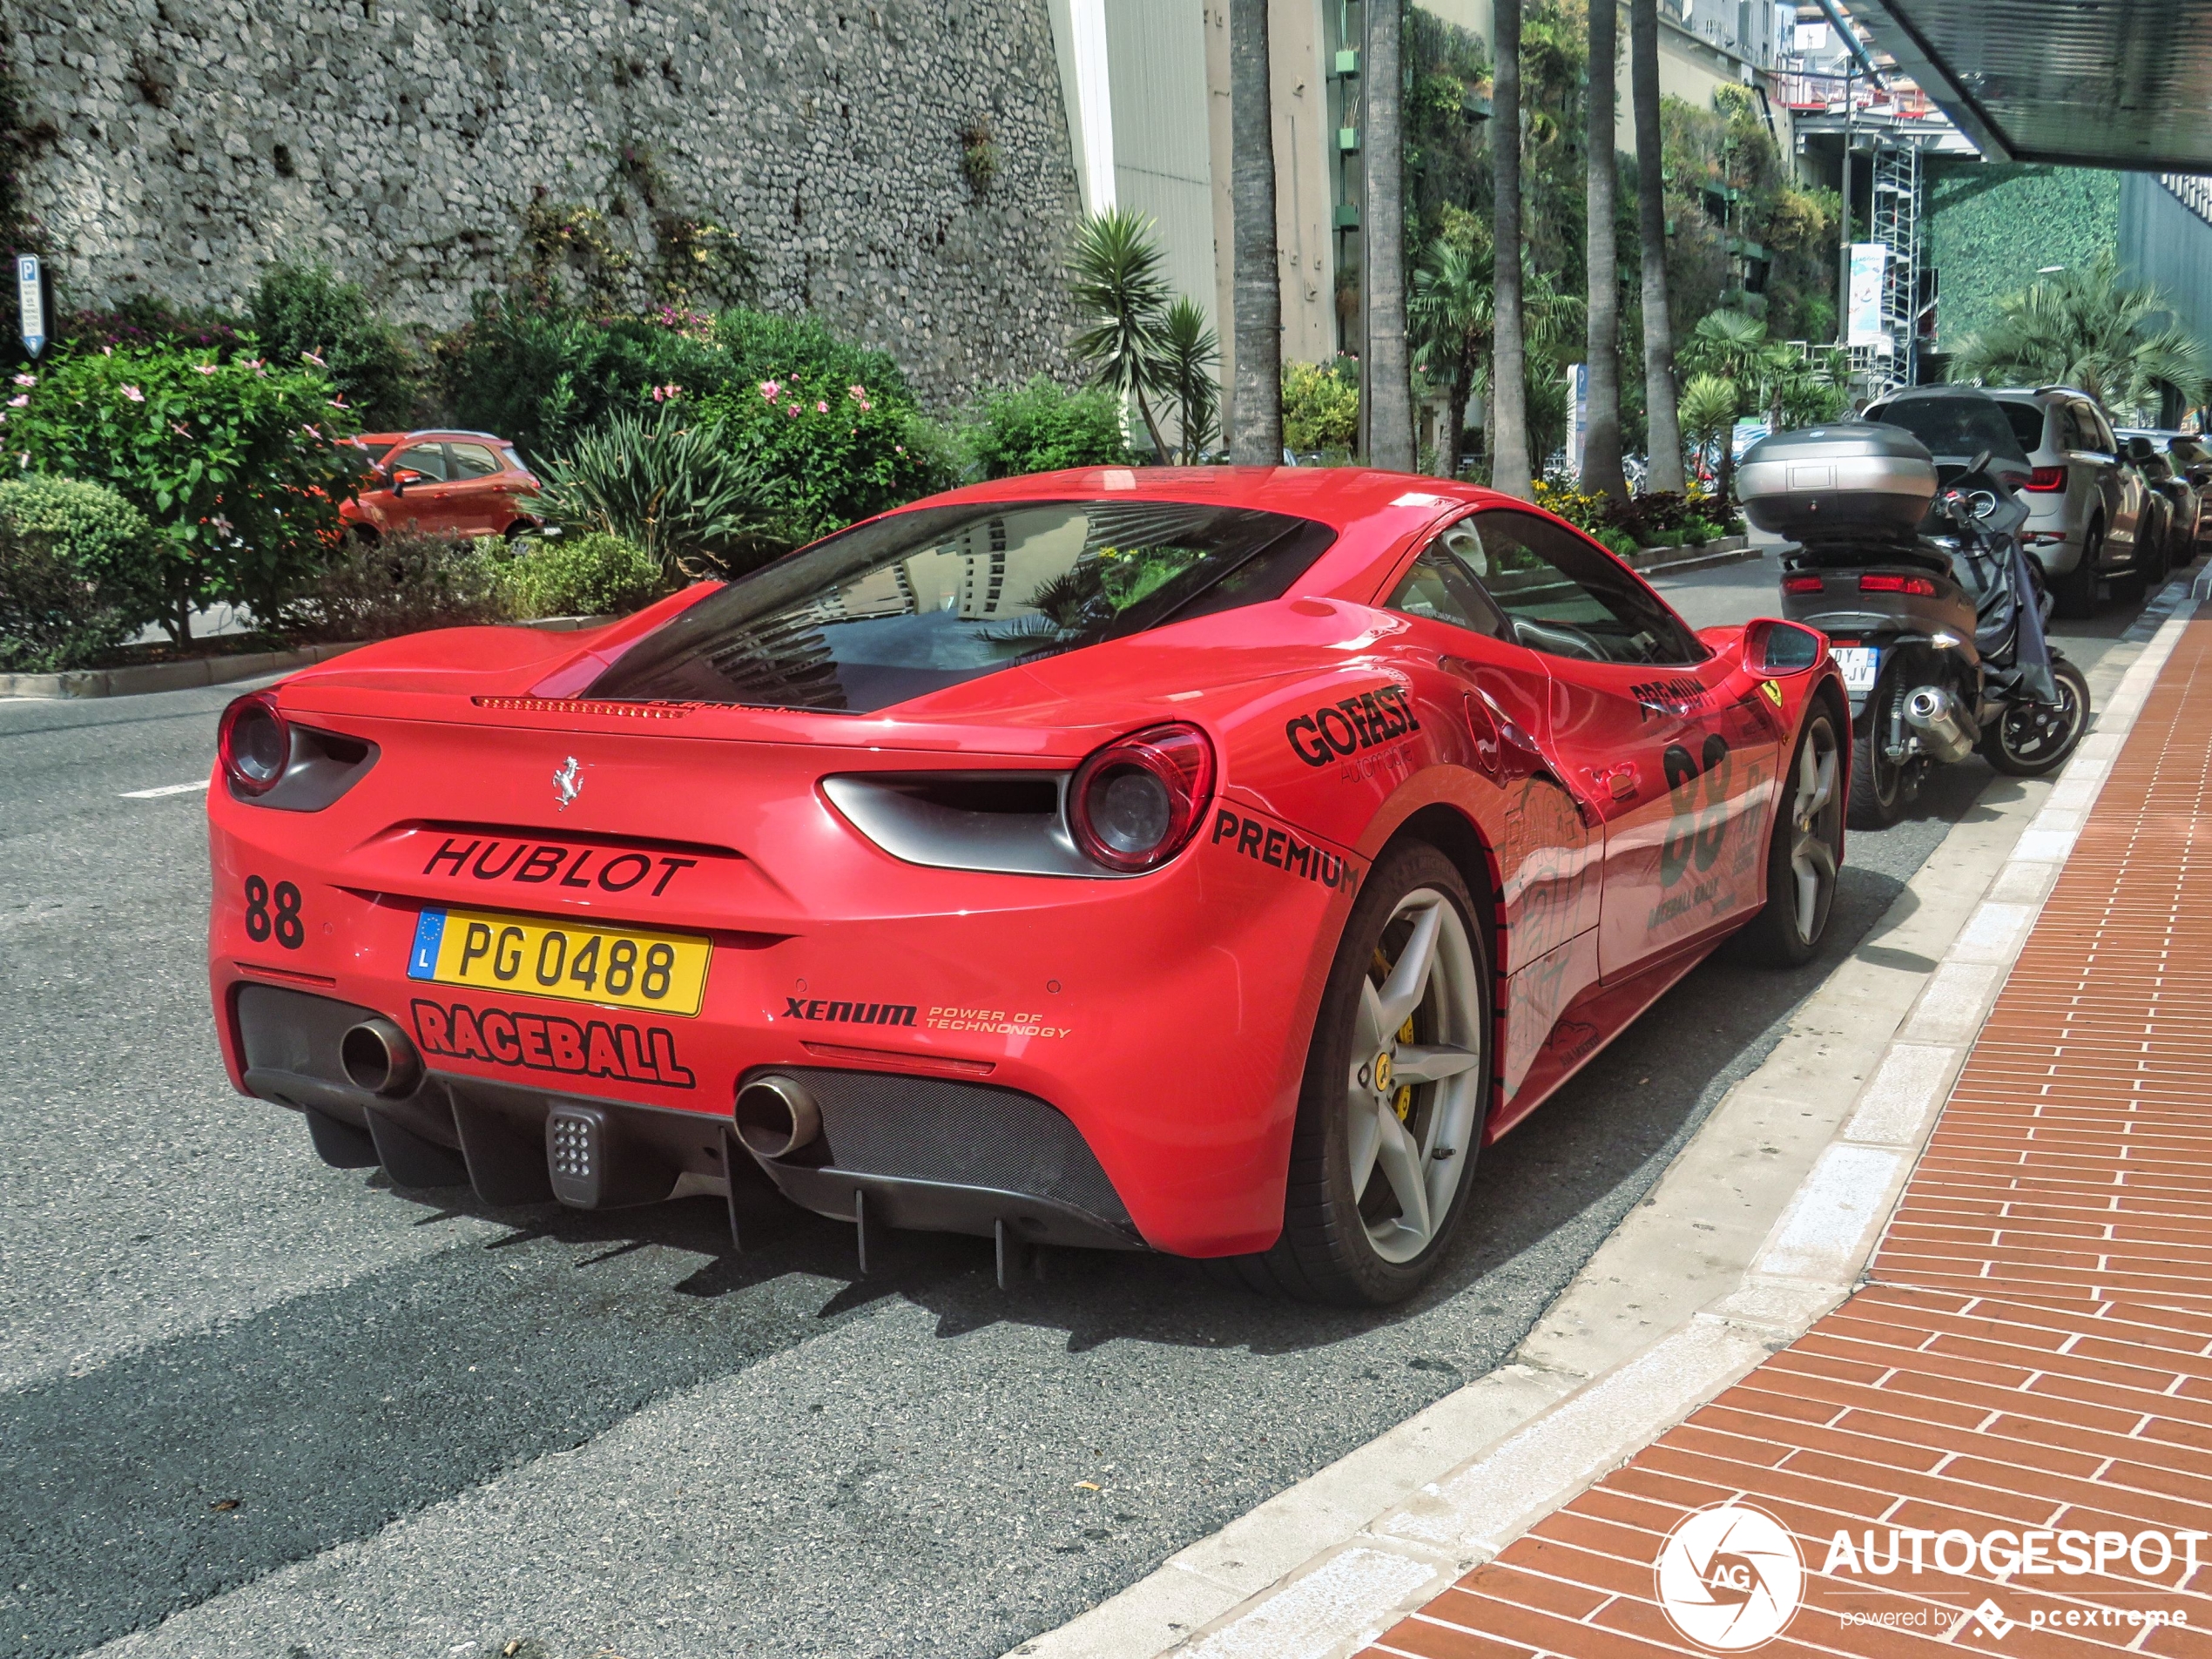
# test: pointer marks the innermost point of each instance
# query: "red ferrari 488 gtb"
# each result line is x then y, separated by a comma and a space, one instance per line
1211, 861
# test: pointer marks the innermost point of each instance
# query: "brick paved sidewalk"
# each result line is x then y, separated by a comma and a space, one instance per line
2032, 1350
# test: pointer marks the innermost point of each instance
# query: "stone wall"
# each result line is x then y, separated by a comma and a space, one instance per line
190, 142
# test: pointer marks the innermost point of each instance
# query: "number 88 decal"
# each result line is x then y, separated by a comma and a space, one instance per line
1696, 832
283, 921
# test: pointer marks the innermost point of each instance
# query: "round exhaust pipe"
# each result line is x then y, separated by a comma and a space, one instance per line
377, 1056
776, 1116
1935, 714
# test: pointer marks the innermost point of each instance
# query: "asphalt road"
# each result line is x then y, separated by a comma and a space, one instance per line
292, 1412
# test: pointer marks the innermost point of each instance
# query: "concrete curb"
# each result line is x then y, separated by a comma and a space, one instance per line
213, 671
1677, 561
1844, 1104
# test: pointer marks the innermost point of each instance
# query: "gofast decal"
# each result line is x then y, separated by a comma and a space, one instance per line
995, 1022
847, 1013
1677, 696
1383, 715
535, 864
548, 1042
1268, 845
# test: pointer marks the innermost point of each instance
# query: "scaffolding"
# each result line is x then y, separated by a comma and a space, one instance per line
1894, 226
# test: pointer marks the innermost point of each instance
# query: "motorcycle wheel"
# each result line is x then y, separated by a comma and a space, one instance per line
1878, 783
2031, 739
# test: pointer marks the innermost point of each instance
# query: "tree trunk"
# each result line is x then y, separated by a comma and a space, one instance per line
1509, 468
1662, 419
1387, 375
1455, 413
1256, 400
1602, 434
1162, 455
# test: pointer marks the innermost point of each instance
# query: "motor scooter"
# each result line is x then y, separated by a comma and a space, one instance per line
1911, 566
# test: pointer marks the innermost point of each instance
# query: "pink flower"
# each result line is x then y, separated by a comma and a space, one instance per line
901, 447
180, 428
316, 361
21, 401
134, 395
312, 431
771, 391
26, 379
205, 368
792, 409
252, 362
821, 407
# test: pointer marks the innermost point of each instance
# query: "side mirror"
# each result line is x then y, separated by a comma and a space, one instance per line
1779, 648
402, 478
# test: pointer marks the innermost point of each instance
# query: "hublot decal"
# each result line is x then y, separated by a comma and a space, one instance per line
535, 864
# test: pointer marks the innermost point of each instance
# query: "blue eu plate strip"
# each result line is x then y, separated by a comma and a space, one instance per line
423, 961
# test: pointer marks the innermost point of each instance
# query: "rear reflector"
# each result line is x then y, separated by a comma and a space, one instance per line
1802, 584
1882, 582
2048, 478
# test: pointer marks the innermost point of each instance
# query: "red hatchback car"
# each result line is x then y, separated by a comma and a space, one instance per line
461, 484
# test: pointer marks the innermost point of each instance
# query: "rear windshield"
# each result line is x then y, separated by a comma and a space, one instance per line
916, 602
2028, 422
1959, 427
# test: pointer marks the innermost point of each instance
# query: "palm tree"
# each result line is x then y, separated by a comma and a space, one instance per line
1602, 471
1731, 348
1663, 429
1386, 377
1121, 293
1255, 408
2088, 329
1509, 469
1189, 367
1709, 415
1450, 309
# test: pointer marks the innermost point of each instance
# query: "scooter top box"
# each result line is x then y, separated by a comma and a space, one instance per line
1846, 478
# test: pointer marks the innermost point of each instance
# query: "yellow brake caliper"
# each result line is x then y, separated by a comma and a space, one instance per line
1404, 1104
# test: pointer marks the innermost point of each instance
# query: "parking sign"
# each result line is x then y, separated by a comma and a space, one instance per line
30, 303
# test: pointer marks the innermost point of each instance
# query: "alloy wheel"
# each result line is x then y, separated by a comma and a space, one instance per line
1815, 813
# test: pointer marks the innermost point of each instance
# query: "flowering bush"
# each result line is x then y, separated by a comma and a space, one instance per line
830, 450
592, 574
1043, 427
675, 488
1320, 405
237, 463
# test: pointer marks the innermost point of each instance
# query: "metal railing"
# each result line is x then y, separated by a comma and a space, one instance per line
1810, 92
2192, 190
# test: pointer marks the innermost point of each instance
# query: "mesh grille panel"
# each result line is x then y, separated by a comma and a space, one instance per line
960, 1134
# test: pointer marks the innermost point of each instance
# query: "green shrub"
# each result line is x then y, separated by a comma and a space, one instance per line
678, 490
1620, 540
300, 310
829, 451
1696, 532
401, 583
1320, 405
592, 574
239, 465
96, 533
52, 617
1043, 427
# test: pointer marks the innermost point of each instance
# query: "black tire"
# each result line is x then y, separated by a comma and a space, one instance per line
2028, 741
1878, 783
366, 534
1783, 934
1326, 1252
2074, 595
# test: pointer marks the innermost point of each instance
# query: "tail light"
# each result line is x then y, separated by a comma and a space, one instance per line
1803, 584
255, 743
2047, 478
1882, 582
1136, 802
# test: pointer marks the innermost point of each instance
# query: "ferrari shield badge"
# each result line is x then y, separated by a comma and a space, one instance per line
1773, 695
567, 783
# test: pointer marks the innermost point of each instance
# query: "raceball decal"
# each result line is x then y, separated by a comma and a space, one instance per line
849, 1013
1677, 696
534, 864
1361, 722
996, 1021
1730, 1577
1269, 845
548, 1042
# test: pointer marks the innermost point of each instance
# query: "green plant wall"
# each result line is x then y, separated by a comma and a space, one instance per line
1993, 226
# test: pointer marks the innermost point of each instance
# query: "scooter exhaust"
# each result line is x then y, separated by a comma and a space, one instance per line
1935, 713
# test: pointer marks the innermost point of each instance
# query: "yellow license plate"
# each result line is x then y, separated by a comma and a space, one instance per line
625, 966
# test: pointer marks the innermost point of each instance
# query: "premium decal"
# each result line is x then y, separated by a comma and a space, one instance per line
535, 864
845, 1013
548, 1042
1361, 722
1269, 845
1680, 695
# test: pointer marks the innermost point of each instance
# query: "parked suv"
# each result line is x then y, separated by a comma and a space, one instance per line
2090, 516
462, 483
2175, 465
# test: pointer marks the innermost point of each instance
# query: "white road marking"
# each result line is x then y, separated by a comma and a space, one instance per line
165, 789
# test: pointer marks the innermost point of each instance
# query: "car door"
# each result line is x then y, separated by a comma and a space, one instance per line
476, 502
1549, 844
1664, 737
413, 500
2117, 487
